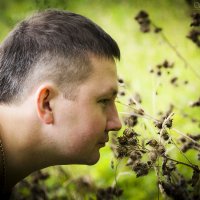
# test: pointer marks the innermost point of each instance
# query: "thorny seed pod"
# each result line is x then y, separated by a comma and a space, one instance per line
196, 19
195, 103
100, 193
129, 162
167, 168
144, 21
149, 163
122, 93
122, 140
133, 141
157, 30
151, 71
183, 139
112, 165
135, 155
140, 168
140, 111
173, 81
172, 166
122, 151
171, 190
142, 172
120, 80
110, 190
153, 156
194, 36
165, 135
142, 14
195, 177
159, 66
158, 124
165, 119
185, 82
131, 102
40, 175
159, 73
195, 137
152, 143
131, 121
161, 149
188, 144
186, 147
166, 64
117, 191
169, 123
129, 133
197, 145
84, 182
109, 193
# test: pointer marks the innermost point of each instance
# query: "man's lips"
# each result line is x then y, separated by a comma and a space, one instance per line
101, 144
104, 141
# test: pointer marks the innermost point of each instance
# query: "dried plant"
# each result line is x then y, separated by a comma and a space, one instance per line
144, 152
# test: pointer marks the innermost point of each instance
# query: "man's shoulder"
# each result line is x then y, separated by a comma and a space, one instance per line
5, 196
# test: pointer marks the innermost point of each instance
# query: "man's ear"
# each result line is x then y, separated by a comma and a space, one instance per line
45, 96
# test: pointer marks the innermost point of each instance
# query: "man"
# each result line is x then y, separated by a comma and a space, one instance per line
58, 84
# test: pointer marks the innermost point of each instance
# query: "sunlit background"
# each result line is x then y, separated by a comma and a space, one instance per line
140, 53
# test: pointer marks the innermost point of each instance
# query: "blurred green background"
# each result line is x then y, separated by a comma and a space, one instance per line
140, 52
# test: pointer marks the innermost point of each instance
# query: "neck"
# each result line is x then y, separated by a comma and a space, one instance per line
27, 144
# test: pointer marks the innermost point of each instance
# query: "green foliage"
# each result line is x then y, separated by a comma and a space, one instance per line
140, 54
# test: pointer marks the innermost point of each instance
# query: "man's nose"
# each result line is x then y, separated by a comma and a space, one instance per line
114, 123
117, 124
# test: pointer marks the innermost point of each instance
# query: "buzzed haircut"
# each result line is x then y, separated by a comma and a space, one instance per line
51, 45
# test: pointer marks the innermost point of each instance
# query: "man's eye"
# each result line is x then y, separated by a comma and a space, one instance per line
104, 101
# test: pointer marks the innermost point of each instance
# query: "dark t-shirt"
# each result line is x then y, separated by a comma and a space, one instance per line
5, 196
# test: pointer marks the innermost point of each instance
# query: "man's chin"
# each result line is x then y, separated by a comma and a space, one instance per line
93, 159
85, 160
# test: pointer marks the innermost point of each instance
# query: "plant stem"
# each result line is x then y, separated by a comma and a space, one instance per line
177, 52
194, 167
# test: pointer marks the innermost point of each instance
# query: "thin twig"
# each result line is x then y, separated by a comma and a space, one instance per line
116, 168
181, 151
177, 52
195, 167
185, 135
137, 111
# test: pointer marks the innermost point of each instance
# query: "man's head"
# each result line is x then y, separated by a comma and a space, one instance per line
58, 87
51, 45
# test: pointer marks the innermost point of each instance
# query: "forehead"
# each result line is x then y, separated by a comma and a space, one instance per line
104, 70
103, 79
102, 65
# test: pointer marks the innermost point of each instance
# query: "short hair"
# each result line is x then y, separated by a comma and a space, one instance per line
51, 45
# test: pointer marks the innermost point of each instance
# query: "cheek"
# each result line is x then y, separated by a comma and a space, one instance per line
92, 128
79, 132
82, 124
95, 120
